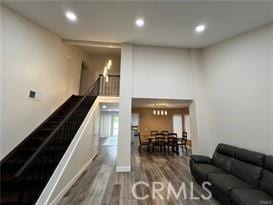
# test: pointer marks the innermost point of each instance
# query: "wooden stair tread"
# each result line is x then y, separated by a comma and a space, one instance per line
22, 153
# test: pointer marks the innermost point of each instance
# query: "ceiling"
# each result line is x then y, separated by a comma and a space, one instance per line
150, 103
94, 47
167, 23
100, 50
109, 107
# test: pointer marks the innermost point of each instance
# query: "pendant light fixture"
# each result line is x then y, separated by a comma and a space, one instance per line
160, 110
107, 67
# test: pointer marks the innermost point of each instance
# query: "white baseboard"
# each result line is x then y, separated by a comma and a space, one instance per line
70, 183
123, 169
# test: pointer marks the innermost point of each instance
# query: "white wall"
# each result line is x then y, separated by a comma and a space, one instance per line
33, 58
162, 73
199, 110
238, 82
125, 105
271, 86
98, 62
230, 84
1, 78
150, 72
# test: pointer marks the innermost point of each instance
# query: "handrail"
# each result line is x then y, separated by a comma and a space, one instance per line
32, 133
111, 75
109, 86
40, 148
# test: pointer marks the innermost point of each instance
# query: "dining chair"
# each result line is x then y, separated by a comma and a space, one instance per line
165, 132
183, 141
172, 141
159, 142
153, 132
142, 143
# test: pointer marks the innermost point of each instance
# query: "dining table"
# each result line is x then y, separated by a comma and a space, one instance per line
150, 139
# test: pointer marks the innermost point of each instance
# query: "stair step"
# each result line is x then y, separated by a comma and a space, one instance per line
46, 129
6, 177
37, 175
49, 130
47, 149
14, 165
36, 140
12, 199
54, 123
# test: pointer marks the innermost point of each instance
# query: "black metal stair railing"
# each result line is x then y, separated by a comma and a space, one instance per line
110, 88
32, 177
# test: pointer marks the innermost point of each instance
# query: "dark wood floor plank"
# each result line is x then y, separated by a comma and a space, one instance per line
100, 184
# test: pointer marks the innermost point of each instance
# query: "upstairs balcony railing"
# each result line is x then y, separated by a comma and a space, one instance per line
110, 88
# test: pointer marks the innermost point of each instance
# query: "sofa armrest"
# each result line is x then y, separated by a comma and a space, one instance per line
201, 159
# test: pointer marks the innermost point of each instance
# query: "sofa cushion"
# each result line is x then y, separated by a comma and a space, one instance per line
247, 172
201, 159
226, 182
268, 164
220, 196
201, 171
250, 197
255, 158
267, 182
267, 176
226, 150
222, 161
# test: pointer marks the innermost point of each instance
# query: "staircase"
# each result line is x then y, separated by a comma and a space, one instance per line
27, 169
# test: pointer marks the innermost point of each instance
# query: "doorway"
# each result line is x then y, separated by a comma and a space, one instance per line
87, 78
109, 124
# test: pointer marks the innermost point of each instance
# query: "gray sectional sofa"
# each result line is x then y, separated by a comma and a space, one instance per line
238, 176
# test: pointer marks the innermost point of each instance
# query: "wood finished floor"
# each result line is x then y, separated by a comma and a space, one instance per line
100, 184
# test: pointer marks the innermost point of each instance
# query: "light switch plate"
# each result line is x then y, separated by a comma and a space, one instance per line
34, 95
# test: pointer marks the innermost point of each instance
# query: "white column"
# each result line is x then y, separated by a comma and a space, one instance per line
125, 106
1, 82
199, 109
271, 86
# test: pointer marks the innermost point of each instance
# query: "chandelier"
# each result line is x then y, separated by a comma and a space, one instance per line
107, 67
160, 110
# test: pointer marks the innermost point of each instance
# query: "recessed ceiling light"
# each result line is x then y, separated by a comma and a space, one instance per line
200, 28
140, 22
71, 16
109, 110
104, 106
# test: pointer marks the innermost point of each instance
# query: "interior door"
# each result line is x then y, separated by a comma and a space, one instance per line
115, 124
177, 125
